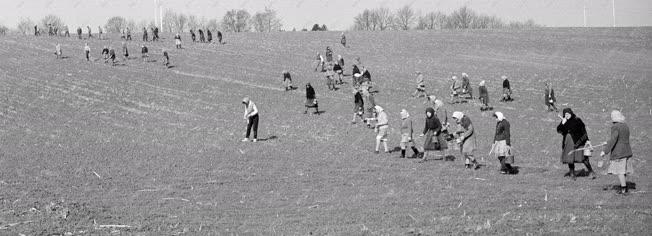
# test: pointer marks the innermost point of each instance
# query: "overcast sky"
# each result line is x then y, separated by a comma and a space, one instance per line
336, 14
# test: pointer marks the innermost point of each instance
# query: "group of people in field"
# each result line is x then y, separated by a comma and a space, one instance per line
438, 134
109, 53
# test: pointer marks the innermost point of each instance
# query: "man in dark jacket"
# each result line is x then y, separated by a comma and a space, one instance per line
209, 35
507, 90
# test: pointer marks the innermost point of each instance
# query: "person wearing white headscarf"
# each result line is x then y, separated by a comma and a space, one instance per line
502, 144
466, 139
406, 134
381, 128
619, 149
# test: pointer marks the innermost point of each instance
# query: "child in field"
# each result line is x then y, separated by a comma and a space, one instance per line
620, 150
311, 99
177, 41
87, 52
484, 97
358, 106
381, 128
507, 90
550, 98
320, 62
58, 52
144, 52
421, 86
166, 58
287, 80
406, 135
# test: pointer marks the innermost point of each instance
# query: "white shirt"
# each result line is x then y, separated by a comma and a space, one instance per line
250, 110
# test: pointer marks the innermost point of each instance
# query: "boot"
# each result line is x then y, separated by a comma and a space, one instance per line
402, 153
415, 152
623, 190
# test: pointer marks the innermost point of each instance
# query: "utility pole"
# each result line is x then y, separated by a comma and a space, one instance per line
613, 11
584, 14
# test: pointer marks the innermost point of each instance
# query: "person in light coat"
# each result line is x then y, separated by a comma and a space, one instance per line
619, 150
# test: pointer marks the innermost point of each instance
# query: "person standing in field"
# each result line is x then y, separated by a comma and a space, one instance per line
466, 139
442, 115
145, 36
550, 97
421, 86
406, 135
320, 62
112, 56
105, 54
125, 52
166, 58
58, 52
66, 31
620, 150
155, 31
193, 36
144, 53
381, 128
502, 144
219, 37
128, 34
287, 80
251, 116
177, 41
343, 40
575, 136
201, 36
330, 74
90, 34
456, 89
431, 131
87, 52
99, 30
79, 33
311, 99
338, 71
209, 35
36, 33
329, 54
507, 90
358, 105
484, 97
466, 85
369, 103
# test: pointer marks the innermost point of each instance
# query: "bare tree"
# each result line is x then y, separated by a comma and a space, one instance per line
51, 20
462, 18
131, 24
431, 21
193, 22
266, 21
405, 18
180, 22
169, 19
115, 24
25, 26
236, 21
384, 17
363, 20
213, 25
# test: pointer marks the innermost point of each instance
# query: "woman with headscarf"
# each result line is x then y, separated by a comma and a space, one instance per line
381, 128
338, 71
406, 134
619, 149
466, 139
330, 74
421, 86
431, 131
466, 85
507, 90
311, 99
369, 103
573, 130
442, 115
502, 144
484, 97
456, 89
287, 80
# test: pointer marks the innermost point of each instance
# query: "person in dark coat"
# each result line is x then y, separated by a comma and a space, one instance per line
166, 58
311, 99
105, 54
128, 34
90, 35
155, 31
431, 131
36, 33
550, 97
144, 53
219, 37
619, 149
502, 144
337, 68
193, 36
145, 36
507, 90
355, 71
358, 105
484, 97
209, 35
343, 40
79, 33
287, 80
112, 56
201, 36
573, 130
329, 54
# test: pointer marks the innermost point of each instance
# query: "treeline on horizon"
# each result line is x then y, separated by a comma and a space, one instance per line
240, 20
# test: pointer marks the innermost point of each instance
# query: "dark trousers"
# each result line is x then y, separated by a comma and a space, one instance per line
253, 122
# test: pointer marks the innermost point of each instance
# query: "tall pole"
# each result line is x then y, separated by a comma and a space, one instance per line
160, 17
584, 15
613, 10
155, 12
